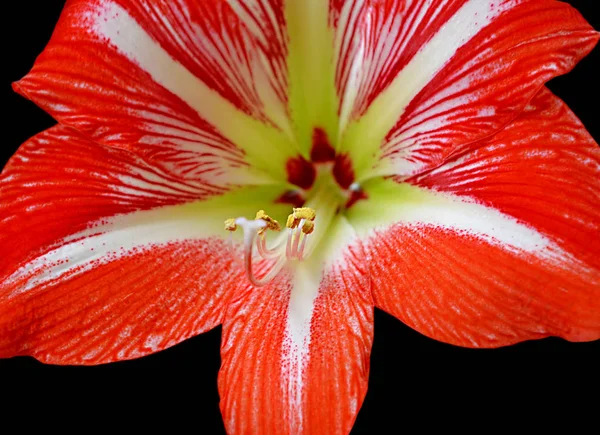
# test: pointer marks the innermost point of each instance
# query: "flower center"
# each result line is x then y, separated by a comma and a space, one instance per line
305, 228
319, 188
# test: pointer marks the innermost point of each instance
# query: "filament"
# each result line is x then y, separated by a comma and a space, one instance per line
278, 255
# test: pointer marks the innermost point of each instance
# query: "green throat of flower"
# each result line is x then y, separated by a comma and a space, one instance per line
305, 230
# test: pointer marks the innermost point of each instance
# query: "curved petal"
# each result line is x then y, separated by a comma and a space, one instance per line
499, 245
166, 78
106, 256
471, 292
59, 183
437, 76
295, 353
542, 169
376, 40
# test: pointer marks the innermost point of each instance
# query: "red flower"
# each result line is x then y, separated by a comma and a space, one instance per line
451, 189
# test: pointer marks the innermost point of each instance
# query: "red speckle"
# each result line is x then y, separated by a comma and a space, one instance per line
292, 197
300, 172
342, 171
321, 151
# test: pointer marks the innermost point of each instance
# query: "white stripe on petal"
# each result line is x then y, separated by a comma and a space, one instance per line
388, 106
113, 23
404, 204
118, 236
305, 289
430, 59
112, 239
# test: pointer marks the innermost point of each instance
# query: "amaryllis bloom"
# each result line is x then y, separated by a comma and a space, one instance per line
282, 167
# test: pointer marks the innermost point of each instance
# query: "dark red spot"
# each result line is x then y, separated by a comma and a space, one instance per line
321, 151
342, 171
356, 196
300, 172
291, 197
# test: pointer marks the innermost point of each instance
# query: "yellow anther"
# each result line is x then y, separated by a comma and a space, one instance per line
272, 224
292, 222
230, 225
304, 213
308, 227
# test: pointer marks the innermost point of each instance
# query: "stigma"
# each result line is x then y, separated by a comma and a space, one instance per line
291, 247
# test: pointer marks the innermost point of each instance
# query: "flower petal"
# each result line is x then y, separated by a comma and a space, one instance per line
470, 292
542, 169
437, 76
181, 81
505, 250
106, 256
295, 353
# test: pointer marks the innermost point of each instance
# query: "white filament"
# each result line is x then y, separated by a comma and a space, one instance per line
294, 248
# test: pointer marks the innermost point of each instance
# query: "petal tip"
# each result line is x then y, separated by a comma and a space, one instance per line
19, 87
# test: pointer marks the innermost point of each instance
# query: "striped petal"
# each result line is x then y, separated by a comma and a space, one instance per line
106, 256
435, 76
295, 353
542, 169
196, 85
499, 245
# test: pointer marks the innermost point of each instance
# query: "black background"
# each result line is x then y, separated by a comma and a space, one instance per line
414, 380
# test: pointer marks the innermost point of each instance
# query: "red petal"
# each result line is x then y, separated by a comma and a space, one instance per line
106, 296
542, 170
466, 292
284, 375
59, 183
490, 80
382, 37
168, 80
126, 308
224, 44
451, 73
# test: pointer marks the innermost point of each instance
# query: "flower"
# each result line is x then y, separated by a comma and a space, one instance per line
410, 148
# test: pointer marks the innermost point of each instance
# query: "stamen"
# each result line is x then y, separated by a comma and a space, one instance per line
308, 227
288, 245
272, 224
264, 251
300, 224
304, 213
301, 248
296, 241
292, 222
230, 225
251, 229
